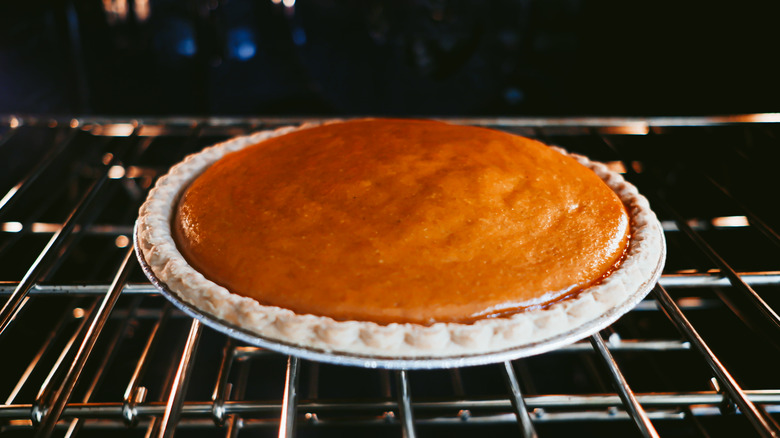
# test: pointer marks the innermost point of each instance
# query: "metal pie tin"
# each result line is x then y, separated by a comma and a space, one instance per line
581, 331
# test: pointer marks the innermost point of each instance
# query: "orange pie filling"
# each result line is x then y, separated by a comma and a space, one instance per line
401, 221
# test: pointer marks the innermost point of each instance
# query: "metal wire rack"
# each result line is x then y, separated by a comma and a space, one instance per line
88, 347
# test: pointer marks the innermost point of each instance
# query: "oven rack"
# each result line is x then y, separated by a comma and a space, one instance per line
89, 346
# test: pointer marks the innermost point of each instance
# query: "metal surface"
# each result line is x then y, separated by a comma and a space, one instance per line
290, 399
46, 257
518, 403
130, 376
406, 416
626, 393
97, 321
180, 383
763, 426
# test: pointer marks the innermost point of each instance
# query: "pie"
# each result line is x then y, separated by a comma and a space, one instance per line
400, 238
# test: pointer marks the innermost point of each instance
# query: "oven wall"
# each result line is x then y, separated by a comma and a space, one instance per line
520, 57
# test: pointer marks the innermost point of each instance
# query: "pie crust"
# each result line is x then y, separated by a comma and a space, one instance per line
589, 310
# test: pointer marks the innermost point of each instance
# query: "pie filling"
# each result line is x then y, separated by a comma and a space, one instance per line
401, 221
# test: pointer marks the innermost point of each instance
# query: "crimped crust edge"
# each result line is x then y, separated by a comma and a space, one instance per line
643, 261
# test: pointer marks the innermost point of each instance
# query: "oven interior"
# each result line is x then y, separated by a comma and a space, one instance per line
89, 347
98, 98
415, 57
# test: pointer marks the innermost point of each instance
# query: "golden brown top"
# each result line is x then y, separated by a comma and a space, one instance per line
401, 221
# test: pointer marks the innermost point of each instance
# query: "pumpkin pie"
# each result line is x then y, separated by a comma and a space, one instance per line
400, 238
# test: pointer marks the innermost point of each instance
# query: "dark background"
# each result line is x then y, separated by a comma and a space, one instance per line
327, 57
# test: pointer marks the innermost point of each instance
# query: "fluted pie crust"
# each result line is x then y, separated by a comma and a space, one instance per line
640, 268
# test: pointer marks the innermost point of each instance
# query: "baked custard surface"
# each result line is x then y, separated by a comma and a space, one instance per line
399, 221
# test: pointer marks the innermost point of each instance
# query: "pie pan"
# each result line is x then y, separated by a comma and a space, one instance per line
375, 361
397, 346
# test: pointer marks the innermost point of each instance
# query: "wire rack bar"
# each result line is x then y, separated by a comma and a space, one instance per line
233, 426
222, 386
133, 395
112, 229
583, 403
287, 421
190, 424
105, 362
47, 389
516, 398
633, 406
404, 397
178, 391
22, 186
668, 281
637, 125
736, 281
764, 427
607, 415
97, 321
235, 423
750, 307
50, 338
45, 258
753, 218
153, 427
768, 278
